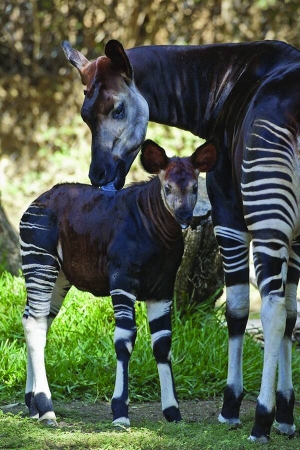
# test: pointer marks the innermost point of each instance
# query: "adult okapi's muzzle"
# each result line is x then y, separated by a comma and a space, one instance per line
109, 170
114, 174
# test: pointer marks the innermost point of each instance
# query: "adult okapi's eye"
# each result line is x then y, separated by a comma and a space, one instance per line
195, 188
84, 92
167, 189
119, 111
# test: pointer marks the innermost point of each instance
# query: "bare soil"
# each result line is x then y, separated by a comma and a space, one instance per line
139, 413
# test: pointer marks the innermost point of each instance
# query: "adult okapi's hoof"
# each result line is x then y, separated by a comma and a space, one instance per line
259, 440
285, 429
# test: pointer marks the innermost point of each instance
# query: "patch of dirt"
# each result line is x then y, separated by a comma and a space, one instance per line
139, 413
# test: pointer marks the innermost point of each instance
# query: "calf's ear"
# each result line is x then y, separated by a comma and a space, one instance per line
114, 50
76, 58
205, 157
153, 157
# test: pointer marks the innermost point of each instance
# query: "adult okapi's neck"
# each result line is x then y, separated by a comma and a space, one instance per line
156, 218
187, 86
169, 77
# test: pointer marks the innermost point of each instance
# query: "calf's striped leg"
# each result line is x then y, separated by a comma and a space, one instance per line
37, 392
159, 317
45, 293
124, 339
234, 248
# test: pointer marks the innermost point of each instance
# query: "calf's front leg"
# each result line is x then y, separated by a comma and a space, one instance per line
159, 317
124, 339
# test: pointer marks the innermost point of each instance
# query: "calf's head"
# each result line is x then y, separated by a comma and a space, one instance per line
178, 176
114, 110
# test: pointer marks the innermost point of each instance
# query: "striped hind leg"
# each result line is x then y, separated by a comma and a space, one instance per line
159, 317
234, 248
271, 268
38, 240
37, 391
124, 339
285, 397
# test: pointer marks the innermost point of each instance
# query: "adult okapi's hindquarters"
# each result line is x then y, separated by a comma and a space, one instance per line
114, 110
269, 180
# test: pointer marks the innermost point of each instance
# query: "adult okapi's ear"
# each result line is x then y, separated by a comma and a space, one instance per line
205, 157
153, 157
76, 58
114, 50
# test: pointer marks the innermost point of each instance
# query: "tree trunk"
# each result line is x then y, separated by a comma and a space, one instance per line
200, 276
10, 259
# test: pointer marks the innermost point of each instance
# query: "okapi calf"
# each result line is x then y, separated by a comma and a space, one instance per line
127, 244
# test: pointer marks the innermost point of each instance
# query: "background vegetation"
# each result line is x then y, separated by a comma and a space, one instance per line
42, 137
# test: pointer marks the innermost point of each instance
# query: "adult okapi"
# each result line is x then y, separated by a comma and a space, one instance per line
246, 97
127, 244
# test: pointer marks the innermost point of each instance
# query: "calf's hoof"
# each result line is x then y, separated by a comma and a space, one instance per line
172, 414
48, 423
122, 423
48, 419
234, 422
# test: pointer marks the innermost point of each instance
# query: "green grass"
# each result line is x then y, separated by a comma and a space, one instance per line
17, 432
80, 355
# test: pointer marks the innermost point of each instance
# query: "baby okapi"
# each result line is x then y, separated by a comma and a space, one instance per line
125, 243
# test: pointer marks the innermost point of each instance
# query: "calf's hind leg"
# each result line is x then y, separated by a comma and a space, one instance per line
37, 392
159, 317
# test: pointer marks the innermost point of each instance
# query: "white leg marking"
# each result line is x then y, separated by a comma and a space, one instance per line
237, 298
238, 306
35, 333
125, 335
156, 309
273, 315
121, 292
166, 385
119, 381
235, 364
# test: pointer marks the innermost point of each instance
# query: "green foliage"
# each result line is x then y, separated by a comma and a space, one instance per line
80, 355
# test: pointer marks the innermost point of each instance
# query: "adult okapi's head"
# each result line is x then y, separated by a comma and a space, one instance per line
178, 176
114, 110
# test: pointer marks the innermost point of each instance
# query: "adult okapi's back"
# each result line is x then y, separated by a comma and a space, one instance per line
246, 97
127, 244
